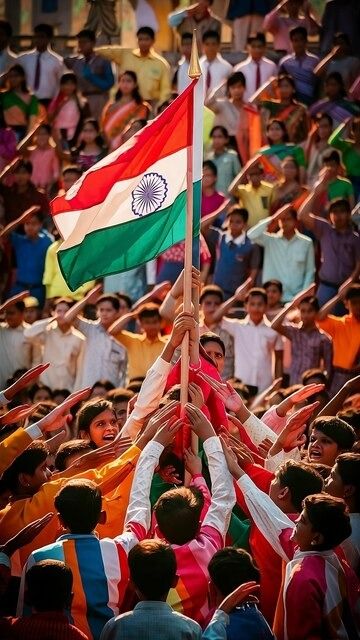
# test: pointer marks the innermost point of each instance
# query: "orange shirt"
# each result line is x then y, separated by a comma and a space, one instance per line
345, 332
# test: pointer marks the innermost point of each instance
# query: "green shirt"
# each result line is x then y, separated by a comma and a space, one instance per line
339, 188
228, 166
350, 155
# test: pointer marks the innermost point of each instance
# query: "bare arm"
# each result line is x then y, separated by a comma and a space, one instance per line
279, 365
277, 323
172, 299
12, 225
239, 295
241, 176
120, 323
326, 308
209, 219
336, 403
71, 315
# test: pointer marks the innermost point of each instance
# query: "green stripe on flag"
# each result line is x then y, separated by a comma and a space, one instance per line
127, 245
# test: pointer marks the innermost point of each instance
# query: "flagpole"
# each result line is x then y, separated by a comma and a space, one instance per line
194, 73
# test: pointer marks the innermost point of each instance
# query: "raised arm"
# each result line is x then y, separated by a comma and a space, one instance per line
326, 308
336, 403
241, 177
239, 295
113, 53
172, 298
322, 65
277, 323
20, 220
90, 297
305, 214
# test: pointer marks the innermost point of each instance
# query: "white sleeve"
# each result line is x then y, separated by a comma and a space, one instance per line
216, 629
268, 518
151, 391
150, 272
222, 488
139, 509
273, 462
34, 432
37, 328
257, 430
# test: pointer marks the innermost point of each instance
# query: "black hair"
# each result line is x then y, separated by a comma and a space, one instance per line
45, 126
152, 565
282, 126
19, 70
335, 75
259, 36
135, 94
6, 27
239, 211
89, 411
336, 429
149, 310
211, 290
67, 449
46, 29
214, 35
36, 387
103, 382
24, 165
79, 505
348, 467
109, 297
298, 31
146, 31
89, 34
339, 203
273, 283
72, 168
178, 515
126, 298
256, 291
209, 164
208, 336
119, 394
186, 36
331, 155
19, 306
219, 127
49, 585
230, 567
313, 373
353, 292
69, 76
235, 78
312, 301
301, 479
99, 140
27, 462
321, 116
328, 516
288, 78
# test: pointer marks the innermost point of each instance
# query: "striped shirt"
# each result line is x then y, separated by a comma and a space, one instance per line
301, 68
308, 350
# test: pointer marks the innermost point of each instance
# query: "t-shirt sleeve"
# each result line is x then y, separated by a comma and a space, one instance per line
320, 227
231, 326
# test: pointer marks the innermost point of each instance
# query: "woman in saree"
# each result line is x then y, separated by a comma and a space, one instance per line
277, 149
21, 108
288, 189
335, 102
127, 106
285, 108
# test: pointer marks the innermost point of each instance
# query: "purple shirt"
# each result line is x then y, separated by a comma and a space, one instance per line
308, 349
340, 252
301, 68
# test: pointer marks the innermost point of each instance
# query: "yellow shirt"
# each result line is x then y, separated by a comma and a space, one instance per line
109, 478
53, 280
345, 333
142, 352
153, 71
256, 201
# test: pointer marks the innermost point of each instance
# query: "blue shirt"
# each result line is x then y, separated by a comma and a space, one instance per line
30, 257
236, 257
301, 68
245, 622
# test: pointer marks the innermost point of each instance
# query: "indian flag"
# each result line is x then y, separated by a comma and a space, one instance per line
131, 206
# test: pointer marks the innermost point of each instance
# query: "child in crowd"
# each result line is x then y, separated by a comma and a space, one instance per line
237, 257
142, 348
44, 160
226, 160
274, 292
255, 342
211, 298
310, 346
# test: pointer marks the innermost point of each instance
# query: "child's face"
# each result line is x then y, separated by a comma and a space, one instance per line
104, 428
60, 310
151, 326
298, 44
324, 129
236, 225
208, 306
126, 84
107, 313
210, 48
332, 167
89, 133
120, 409
31, 315
322, 449
32, 227
340, 218
274, 296
13, 317
219, 141
307, 314
257, 50
209, 179
287, 223
255, 308
275, 132
303, 534
42, 138
186, 48
255, 175
334, 484
68, 88
286, 90
145, 43
237, 91
69, 179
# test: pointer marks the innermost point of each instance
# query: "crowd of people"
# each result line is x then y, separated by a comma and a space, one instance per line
123, 512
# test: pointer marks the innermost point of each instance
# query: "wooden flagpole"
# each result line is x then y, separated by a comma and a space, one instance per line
194, 73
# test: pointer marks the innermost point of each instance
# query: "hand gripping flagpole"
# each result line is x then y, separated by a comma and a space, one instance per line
194, 170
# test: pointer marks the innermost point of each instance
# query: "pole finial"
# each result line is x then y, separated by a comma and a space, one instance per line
194, 66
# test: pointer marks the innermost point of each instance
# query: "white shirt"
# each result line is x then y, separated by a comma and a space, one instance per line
14, 352
51, 70
254, 346
249, 67
182, 78
61, 349
102, 356
219, 69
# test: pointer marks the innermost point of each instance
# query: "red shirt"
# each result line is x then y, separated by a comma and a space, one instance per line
42, 626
